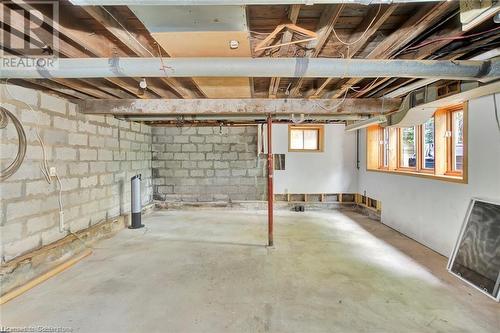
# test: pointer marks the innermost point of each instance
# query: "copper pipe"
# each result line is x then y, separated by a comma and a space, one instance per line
270, 196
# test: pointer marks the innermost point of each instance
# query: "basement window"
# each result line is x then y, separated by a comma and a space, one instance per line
305, 138
407, 148
435, 149
456, 134
384, 147
427, 150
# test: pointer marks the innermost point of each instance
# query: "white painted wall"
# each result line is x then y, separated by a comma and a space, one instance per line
330, 171
432, 211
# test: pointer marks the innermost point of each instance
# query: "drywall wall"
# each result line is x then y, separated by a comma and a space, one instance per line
432, 211
330, 171
95, 157
205, 164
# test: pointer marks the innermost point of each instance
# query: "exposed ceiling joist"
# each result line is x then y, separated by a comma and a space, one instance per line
293, 15
137, 44
326, 23
41, 38
401, 91
52, 87
239, 106
370, 24
417, 24
96, 45
83, 87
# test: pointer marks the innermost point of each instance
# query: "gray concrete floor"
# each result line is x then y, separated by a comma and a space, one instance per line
209, 271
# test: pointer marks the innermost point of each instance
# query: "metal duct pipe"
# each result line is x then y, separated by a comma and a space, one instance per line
340, 117
421, 83
257, 67
235, 2
365, 123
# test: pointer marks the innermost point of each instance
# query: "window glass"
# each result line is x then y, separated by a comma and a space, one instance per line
296, 139
385, 148
408, 158
311, 139
428, 144
458, 140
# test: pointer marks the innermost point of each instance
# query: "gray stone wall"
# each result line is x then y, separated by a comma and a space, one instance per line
95, 157
200, 164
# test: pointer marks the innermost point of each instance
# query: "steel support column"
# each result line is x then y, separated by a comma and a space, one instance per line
270, 193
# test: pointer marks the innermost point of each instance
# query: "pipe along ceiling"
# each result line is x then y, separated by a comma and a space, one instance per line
237, 2
256, 67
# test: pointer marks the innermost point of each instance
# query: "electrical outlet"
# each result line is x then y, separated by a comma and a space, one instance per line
52, 171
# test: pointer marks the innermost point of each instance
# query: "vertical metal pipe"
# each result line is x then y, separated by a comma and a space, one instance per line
270, 195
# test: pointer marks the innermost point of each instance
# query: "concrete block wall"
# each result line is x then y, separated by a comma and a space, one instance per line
200, 164
95, 157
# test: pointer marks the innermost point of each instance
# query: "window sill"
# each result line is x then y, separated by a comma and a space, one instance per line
448, 178
305, 151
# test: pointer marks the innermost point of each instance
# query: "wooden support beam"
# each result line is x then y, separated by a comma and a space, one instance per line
81, 86
376, 16
52, 86
413, 27
16, 26
93, 43
239, 106
135, 43
293, 15
326, 23
131, 85
426, 52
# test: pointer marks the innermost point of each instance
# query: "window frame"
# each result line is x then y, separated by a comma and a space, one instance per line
450, 142
382, 148
319, 128
442, 148
421, 147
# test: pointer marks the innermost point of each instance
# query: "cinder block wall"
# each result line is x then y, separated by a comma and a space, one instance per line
95, 157
200, 164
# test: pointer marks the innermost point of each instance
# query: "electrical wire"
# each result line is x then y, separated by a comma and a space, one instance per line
336, 106
457, 37
366, 88
61, 209
126, 30
364, 32
44, 168
21, 147
496, 111
44, 165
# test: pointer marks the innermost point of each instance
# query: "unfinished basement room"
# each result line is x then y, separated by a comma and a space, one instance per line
250, 166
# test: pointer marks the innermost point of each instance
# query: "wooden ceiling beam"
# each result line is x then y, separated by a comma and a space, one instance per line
427, 16
137, 44
428, 51
83, 87
293, 15
239, 106
376, 16
15, 27
57, 88
94, 44
326, 23
131, 85
452, 56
